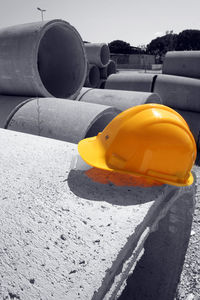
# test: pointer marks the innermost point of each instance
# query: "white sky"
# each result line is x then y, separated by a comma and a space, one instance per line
136, 22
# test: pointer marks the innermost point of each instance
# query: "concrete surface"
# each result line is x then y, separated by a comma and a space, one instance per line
178, 92
61, 119
131, 81
122, 100
182, 63
64, 236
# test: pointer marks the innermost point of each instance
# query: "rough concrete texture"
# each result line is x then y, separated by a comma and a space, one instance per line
131, 81
7, 105
122, 100
62, 235
32, 64
182, 63
61, 119
178, 92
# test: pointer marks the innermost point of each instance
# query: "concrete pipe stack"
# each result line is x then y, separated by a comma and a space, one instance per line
32, 66
100, 66
179, 87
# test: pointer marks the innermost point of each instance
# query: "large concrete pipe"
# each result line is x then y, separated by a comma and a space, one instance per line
178, 92
108, 70
120, 99
60, 119
42, 59
182, 63
7, 105
97, 53
65, 236
131, 81
93, 76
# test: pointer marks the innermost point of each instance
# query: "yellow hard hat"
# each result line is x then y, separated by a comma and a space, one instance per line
150, 140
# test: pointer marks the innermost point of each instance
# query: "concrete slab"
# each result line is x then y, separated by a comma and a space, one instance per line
64, 236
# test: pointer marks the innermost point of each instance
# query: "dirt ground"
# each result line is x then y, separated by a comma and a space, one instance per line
189, 286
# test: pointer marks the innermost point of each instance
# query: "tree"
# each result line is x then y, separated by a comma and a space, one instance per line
161, 45
119, 46
188, 39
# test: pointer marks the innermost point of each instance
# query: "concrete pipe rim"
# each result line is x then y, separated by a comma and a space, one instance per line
105, 54
68, 73
103, 118
111, 68
94, 76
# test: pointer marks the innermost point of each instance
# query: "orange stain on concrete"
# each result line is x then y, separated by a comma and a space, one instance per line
119, 179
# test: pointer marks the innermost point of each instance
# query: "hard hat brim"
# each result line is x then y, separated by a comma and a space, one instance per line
94, 154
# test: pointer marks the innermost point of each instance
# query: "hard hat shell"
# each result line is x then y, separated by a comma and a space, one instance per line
150, 140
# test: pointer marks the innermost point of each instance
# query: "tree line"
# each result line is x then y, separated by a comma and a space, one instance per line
188, 39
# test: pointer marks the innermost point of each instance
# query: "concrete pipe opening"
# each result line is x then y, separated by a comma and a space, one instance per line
93, 77
111, 68
61, 61
104, 54
42, 59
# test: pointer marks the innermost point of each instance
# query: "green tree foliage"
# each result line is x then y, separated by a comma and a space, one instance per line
119, 46
188, 40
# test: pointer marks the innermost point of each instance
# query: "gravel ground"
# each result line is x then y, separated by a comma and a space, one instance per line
189, 286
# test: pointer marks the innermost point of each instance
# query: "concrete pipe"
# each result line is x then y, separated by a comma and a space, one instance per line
193, 121
7, 105
131, 81
108, 70
60, 119
122, 100
178, 92
93, 76
102, 84
42, 59
182, 63
97, 53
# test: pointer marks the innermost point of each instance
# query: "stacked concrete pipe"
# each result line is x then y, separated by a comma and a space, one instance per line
122, 100
97, 53
182, 63
178, 92
183, 95
131, 81
42, 59
60, 119
8, 105
108, 70
93, 76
